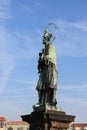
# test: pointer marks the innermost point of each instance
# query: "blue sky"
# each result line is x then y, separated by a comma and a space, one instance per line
22, 23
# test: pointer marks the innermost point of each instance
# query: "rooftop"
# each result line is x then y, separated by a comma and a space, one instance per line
78, 125
17, 123
2, 118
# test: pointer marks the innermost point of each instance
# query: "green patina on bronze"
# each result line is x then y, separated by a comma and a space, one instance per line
46, 116
48, 73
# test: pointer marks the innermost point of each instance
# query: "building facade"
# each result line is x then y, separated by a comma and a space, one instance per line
21, 125
78, 126
17, 125
2, 123
13, 125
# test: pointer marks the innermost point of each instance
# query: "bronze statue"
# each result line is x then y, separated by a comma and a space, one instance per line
48, 74
46, 115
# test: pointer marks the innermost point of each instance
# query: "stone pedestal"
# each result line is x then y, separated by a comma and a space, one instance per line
48, 120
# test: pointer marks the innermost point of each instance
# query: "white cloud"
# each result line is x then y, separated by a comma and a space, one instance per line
73, 101
81, 26
71, 39
13, 111
6, 66
72, 98
74, 106
16, 47
5, 9
80, 87
24, 8
38, 4
12, 50
6, 61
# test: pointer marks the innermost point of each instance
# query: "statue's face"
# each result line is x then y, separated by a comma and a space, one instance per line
45, 40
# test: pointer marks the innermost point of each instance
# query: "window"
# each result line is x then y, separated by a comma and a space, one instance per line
2, 124
10, 128
20, 128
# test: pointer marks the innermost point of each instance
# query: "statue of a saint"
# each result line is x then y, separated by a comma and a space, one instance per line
47, 69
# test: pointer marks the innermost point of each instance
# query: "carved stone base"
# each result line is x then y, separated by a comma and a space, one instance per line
48, 120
